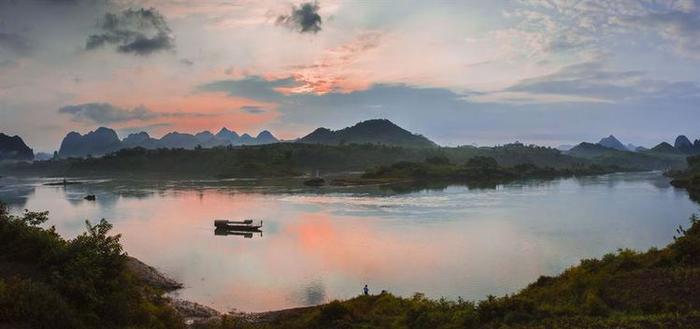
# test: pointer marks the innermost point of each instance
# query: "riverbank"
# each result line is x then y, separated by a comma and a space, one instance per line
688, 179
627, 289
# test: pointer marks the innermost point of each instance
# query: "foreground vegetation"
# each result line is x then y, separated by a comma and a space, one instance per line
627, 289
290, 159
49, 282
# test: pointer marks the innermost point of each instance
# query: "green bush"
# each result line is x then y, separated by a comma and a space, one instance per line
78, 283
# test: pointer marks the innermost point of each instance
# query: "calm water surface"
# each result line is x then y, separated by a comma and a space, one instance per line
326, 244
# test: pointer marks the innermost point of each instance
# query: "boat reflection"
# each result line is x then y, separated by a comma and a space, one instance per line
248, 234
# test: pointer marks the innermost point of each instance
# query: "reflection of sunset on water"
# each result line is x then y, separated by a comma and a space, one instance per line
319, 247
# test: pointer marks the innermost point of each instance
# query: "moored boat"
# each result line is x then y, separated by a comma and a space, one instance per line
244, 225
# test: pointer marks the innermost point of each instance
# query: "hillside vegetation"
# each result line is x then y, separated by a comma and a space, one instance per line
49, 282
689, 178
377, 131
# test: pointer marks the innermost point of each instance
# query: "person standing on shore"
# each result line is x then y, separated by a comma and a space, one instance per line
365, 290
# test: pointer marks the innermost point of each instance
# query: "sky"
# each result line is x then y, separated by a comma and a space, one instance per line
482, 72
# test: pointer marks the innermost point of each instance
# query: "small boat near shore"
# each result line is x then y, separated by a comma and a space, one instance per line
231, 225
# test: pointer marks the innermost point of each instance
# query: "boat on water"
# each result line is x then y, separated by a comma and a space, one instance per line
248, 234
232, 225
64, 182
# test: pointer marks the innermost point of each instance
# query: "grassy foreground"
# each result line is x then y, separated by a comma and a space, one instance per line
49, 282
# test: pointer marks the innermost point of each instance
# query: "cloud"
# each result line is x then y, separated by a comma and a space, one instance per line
253, 109
450, 117
104, 113
566, 25
590, 81
253, 87
134, 31
680, 27
304, 18
14, 43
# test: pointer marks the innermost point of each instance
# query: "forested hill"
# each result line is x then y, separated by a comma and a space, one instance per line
378, 131
281, 160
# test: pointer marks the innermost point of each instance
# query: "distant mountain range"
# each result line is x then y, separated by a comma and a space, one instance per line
105, 140
681, 146
14, 148
378, 131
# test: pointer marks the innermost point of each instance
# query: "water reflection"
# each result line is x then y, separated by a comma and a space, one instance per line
15, 193
449, 241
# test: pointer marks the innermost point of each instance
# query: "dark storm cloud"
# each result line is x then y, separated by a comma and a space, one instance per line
304, 18
14, 43
134, 31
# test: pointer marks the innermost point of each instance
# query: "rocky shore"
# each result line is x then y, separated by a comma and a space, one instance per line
191, 311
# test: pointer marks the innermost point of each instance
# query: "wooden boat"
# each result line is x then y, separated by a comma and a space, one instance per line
232, 225
64, 182
246, 234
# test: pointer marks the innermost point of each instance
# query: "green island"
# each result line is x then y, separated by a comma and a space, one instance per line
85, 282
478, 170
